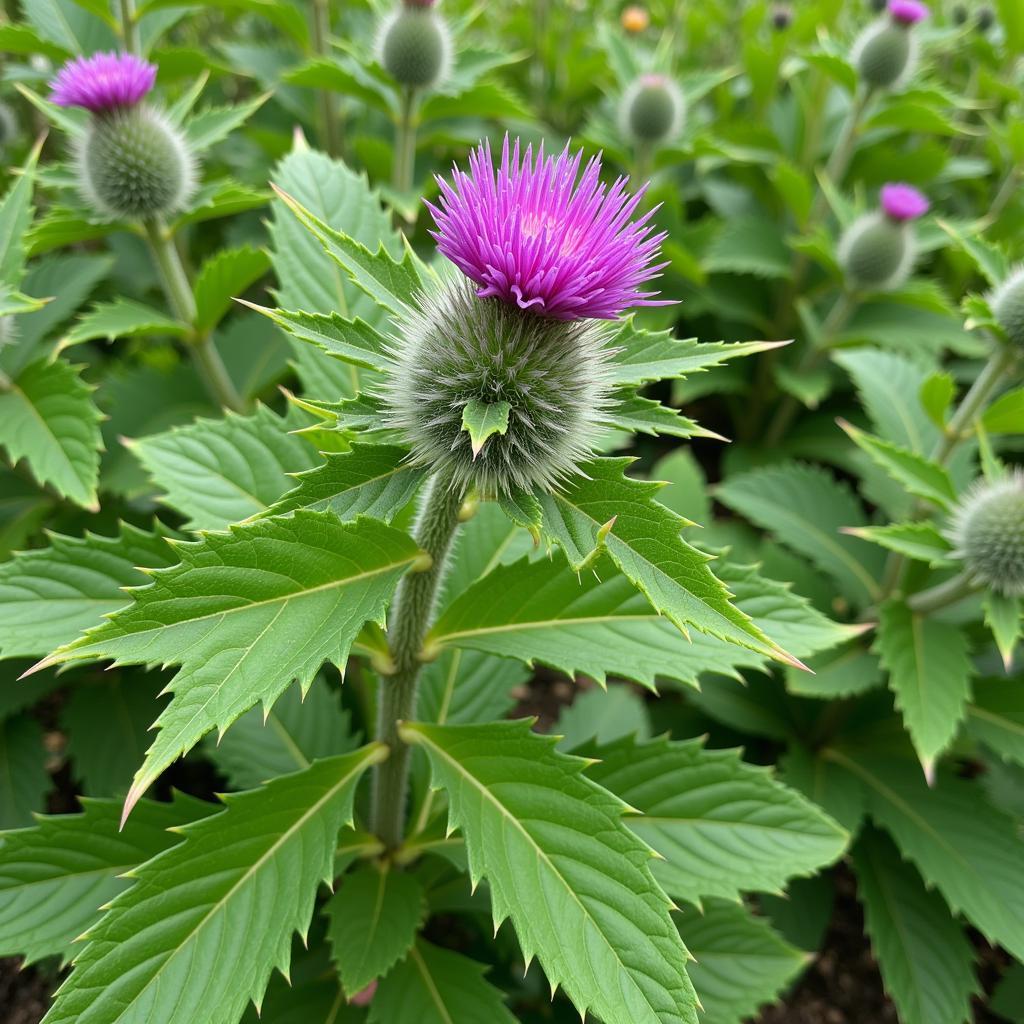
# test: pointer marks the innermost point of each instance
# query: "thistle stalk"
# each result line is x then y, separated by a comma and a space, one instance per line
331, 129
396, 701
405, 142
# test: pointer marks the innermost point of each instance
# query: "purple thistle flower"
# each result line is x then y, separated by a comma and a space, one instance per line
103, 82
532, 235
907, 12
903, 203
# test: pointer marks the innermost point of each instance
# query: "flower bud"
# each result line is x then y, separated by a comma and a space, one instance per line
651, 110
1007, 303
988, 534
886, 51
986, 18
414, 46
959, 14
135, 163
877, 251
782, 17
635, 19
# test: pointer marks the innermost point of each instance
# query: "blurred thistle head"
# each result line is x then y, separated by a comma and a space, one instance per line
500, 377
414, 45
635, 19
1007, 303
985, 18
988, 533
885, 52
131, 161
877, 251
959, 14
782, 17
651, 110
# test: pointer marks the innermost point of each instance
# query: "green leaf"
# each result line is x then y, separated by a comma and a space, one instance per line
372, 923
989, 260
961, 845
929, 674
207, 127
523, 509
1003, 616
352, 341
298, 730
723, 827
122, 318
749, 245
389, 282
996, 717
222, 277
68, 25
560, 862
284, 596
937, 394
631, 411
24, 781
373, 480
741, 962
921, 541
603, 716
217, 472
601, 508
806, 508
72, 864
467, 686
50, 595
843, 672
15, 218
482, 419
199, 933
437, 986
1006, 414
923, 954
47, 417
640, 357
920, 476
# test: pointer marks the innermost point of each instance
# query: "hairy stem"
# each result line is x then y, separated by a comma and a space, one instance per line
208, 362
130, 27
331, 124
943, 594
396, 702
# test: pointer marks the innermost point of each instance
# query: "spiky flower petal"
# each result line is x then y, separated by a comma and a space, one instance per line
103, 82
546, 378
541, 236
907, 12
903, 202
988, 534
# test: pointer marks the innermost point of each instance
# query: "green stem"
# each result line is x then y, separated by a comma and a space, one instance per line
396, 701
130, 27
330, 123
405, 142
176, 287
943, 594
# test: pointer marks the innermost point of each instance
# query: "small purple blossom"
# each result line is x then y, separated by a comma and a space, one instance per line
903, 202
907, 12
531, 234
103, 82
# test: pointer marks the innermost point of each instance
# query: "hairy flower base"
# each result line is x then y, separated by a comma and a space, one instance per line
415, 46
651, 110
1008, 307
135, 163
988, 532
884, 54
459, 349
876, 252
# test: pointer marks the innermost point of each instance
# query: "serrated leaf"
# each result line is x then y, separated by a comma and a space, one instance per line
603, 716
436, 986
217, 472
995, 716
601, 508
723, 826
122, 318
937, 394
749, 245
15, 217
372, 923
48, 418
467, 686
1003, 616
523, 509
741, 962
373, 480
244, 614
806, 508
561, 864
223, 277
482, 419
50, 595
298, 730
920, 476
990, 261
843, 672
923, 954
205, 924
72, 864
24, 781
207, 127
921, 541
929, 674
633, 412
352, 341
961, 845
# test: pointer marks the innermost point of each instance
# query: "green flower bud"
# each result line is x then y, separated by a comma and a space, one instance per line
132, 162
876, 252
986, 19
414, 47
545, 379
959, 14
988, 534
651, 110
884, 53
1007, 303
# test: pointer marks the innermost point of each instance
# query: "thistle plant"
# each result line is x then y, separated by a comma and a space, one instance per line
885, 53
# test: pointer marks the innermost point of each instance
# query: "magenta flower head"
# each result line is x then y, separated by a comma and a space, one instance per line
537, 234
103, 83
907, 12
903, 203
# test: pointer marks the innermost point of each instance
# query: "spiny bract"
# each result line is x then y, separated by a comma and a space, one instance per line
456, 349
988, 531
135, 163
